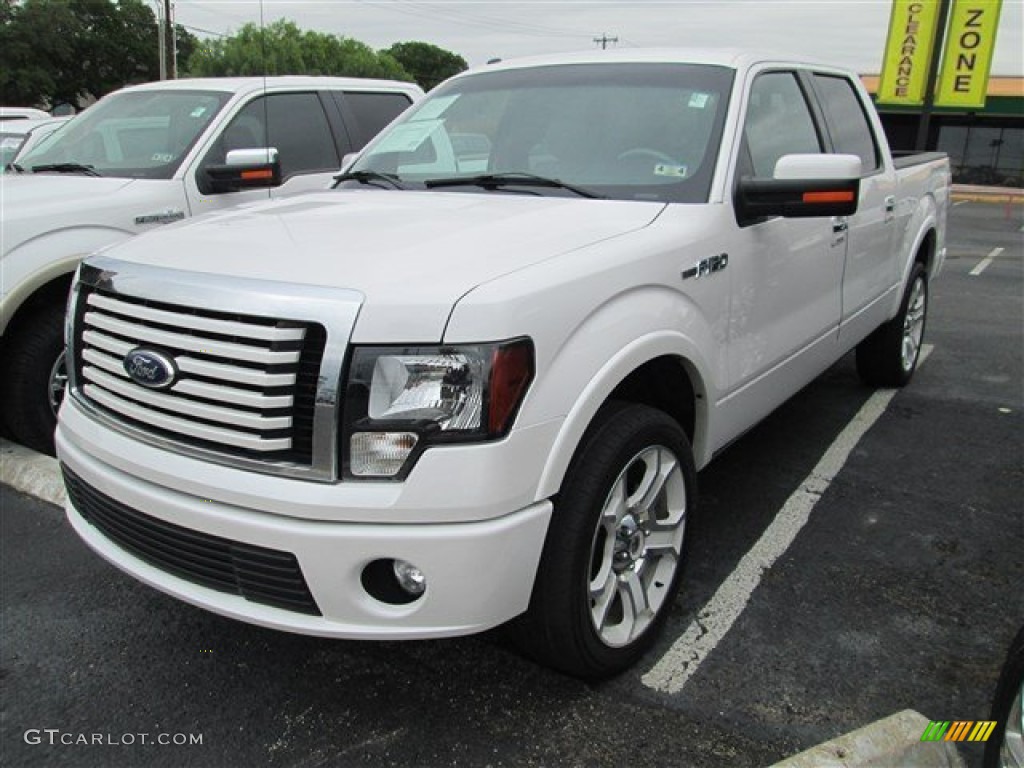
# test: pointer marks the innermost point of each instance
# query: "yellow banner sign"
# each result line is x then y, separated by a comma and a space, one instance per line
970, 41
908, 51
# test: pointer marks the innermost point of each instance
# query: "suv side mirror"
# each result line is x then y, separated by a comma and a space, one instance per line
802, 186
244, 169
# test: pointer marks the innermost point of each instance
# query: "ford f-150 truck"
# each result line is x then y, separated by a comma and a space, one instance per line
142, 157
472, 385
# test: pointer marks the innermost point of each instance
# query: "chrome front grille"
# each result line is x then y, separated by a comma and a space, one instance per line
246, 389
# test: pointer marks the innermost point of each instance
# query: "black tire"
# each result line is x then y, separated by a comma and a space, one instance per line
1008, 695
882, 360
559, 629
31, 353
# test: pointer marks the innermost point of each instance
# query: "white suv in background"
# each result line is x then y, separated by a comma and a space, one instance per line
142, 157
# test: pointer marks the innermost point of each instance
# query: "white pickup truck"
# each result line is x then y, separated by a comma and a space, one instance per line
142, 157
473, 384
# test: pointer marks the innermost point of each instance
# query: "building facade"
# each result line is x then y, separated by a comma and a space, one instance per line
984, 146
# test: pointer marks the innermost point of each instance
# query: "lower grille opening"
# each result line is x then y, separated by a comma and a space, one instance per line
258, 574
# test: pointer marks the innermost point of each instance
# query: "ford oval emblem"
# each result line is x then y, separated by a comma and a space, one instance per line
150, 368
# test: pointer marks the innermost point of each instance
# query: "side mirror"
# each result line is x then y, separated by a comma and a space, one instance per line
802, 186
244, 169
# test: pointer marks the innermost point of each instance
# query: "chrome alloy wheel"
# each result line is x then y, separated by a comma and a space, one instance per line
1012, 752
913, 324
58, 383
637, 546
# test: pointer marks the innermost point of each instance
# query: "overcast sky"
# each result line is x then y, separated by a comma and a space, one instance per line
837, 31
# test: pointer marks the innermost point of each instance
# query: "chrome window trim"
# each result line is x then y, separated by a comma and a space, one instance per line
336, 309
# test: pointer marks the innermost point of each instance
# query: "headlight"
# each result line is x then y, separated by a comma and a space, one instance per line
401, 400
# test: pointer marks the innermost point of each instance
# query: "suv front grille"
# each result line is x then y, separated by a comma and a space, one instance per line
258, 574
245, 385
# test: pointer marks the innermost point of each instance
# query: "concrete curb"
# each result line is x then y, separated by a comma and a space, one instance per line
891, 742
977, 194
30, 472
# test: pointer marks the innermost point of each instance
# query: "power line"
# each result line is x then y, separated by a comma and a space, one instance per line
200, 29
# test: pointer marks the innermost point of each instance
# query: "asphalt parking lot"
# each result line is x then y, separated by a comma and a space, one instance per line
901, 590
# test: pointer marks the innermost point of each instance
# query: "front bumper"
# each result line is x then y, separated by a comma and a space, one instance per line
479, 573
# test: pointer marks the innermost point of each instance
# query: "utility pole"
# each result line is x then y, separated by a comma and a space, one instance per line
169, 37
161, 46
603, 40
924, 123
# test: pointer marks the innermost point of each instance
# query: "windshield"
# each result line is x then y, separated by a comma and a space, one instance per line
140, 134
624, 131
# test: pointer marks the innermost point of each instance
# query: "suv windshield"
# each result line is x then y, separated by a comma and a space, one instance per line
140, 134
629, 131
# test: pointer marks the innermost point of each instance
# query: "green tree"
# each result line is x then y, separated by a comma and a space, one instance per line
66, 51
282, 48
427, 63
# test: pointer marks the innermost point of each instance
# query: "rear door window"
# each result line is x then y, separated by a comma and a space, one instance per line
847, 123
371, 111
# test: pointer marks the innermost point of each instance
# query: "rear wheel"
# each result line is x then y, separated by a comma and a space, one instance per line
888, 357
35, 379
614, 553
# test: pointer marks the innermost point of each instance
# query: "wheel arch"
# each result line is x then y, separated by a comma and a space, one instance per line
660, 371
33, 266
921, 241
50, 289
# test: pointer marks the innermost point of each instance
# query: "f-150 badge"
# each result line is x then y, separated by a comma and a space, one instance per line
166, 217
707, 266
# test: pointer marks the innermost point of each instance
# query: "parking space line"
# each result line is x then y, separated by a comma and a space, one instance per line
983, 264
715, 619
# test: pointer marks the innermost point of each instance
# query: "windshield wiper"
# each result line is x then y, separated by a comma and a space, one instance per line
14, 167
513, 179
85, 170
369, 177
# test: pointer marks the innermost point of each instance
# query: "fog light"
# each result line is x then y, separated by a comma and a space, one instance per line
380, 454
410, 578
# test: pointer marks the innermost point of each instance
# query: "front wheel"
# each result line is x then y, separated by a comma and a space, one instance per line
888, 357
614, 553
35, 379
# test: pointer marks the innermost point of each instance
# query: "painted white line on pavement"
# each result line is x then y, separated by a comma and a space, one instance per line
960, 202
714, 620
983, 264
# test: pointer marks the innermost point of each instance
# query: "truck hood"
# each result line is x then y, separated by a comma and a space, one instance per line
99, 210
411, 254
53, 191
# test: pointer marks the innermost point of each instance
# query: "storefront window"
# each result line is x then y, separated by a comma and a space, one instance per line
989, 155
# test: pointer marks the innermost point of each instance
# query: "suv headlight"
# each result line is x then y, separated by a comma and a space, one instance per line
400, 400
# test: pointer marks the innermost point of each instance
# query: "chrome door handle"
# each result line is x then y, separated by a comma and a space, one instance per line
890, 204
840, 225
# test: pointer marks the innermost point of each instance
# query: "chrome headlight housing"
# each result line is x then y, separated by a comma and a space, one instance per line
401, 400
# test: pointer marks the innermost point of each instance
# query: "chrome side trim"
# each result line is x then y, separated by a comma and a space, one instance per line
336, 309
